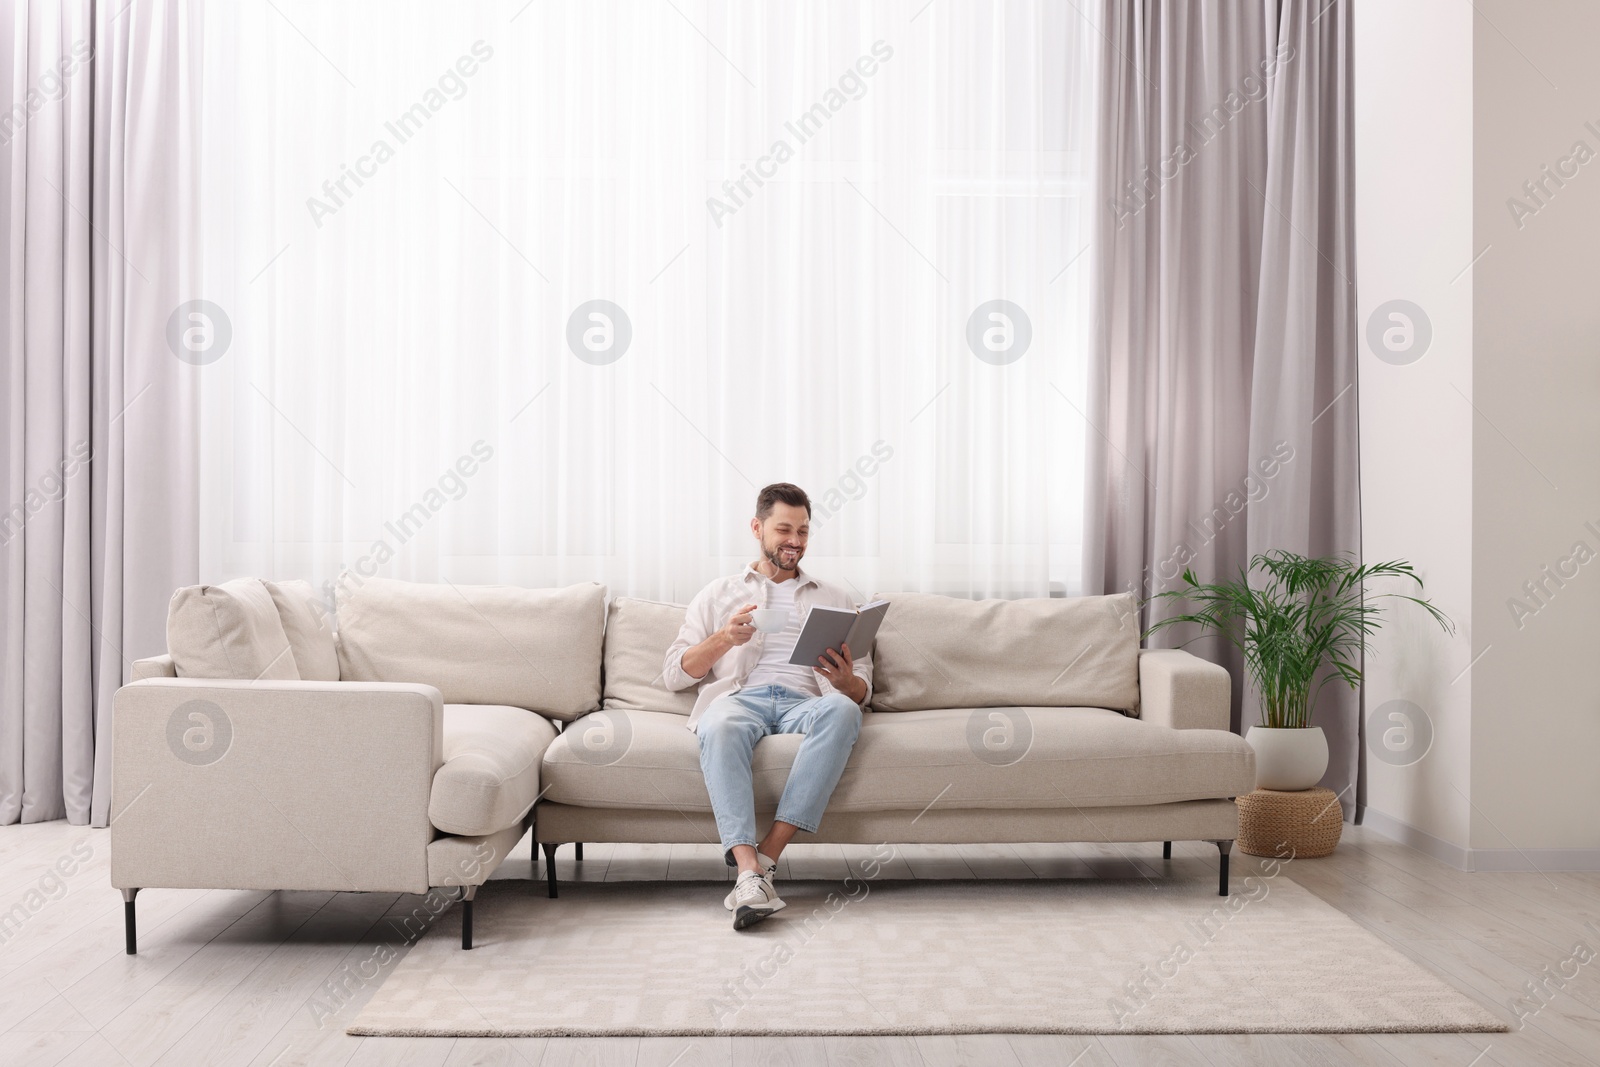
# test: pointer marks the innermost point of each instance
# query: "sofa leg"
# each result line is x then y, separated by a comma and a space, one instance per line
130, 923
1166, 850
467, 896
550, 868
578, 851
1223, 847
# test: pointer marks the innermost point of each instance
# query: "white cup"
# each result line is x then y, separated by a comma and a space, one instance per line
770, 620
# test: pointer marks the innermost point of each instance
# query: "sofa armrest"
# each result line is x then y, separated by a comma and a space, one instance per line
154, 667
222, 784
1183, 691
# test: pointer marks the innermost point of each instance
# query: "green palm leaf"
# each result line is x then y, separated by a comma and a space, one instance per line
1302, 624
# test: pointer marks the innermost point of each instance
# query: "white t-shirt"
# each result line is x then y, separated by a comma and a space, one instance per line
774, 668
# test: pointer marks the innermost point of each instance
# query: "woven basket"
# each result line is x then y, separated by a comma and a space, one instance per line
1300, 824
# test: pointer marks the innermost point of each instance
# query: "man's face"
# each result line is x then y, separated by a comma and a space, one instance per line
783, 536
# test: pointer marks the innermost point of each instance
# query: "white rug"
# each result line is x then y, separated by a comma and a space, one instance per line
911, 957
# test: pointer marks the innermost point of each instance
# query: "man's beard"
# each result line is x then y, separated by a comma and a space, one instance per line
775, 557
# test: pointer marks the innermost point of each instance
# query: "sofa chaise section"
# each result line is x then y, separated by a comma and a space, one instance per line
416, 770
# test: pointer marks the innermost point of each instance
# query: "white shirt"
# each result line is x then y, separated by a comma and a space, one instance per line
774, 668
710, 609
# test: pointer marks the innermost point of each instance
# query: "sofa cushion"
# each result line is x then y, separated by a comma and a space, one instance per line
960, 758
944, 652
638, 634
490, 776
230, 630
307, 626
477, 644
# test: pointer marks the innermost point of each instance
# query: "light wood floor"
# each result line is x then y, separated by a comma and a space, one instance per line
228, 977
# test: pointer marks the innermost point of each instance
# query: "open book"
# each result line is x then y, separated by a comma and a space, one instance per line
827, 628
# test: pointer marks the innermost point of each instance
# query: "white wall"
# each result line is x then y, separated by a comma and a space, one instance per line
1414, 204
1480, 461
1536, 453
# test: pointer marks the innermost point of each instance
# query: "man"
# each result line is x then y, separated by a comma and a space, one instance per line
754, 691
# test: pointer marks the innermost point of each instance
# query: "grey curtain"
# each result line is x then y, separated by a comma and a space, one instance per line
1224, 352
97, 449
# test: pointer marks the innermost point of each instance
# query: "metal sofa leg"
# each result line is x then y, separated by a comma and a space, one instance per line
467, 895
130, 923
1166, 850
578, 849
550, 868
1223, 847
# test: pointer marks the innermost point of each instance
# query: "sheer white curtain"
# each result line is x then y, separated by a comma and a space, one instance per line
794, 214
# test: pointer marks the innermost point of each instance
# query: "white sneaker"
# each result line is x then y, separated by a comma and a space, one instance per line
754, 898
769, 867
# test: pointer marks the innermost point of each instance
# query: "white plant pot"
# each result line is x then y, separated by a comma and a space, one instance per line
1288, 759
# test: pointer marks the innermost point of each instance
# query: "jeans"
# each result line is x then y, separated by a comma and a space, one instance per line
728, 732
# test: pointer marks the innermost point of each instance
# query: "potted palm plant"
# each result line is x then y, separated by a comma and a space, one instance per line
1301, 625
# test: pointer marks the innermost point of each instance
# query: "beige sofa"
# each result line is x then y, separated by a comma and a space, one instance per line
990, 721
402, 755
412, 750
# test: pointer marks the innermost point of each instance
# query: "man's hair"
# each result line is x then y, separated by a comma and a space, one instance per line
781, 493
